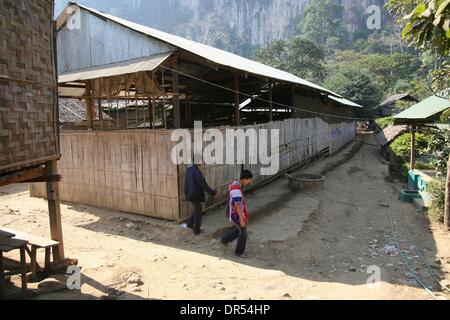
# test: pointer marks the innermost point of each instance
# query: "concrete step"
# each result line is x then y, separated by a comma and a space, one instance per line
419, 204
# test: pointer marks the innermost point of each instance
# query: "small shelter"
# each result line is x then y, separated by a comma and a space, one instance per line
424, 113
389, 106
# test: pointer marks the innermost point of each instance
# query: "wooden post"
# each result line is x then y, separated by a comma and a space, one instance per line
117, 114
23, 269
89, 106
54, 210
188, 120
237, 115
126, 109
109, 112
152, 112
137, 113
270, 104
164, 118
100, 113
176, 96
145, 111
413, 148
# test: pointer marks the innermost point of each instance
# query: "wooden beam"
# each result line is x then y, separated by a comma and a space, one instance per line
54, 178
175, 92
54, 211
237, 115
22, 176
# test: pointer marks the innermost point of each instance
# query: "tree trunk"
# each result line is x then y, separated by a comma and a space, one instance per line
447, 198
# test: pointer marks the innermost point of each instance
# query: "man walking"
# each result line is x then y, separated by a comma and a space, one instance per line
194, 189
238, 213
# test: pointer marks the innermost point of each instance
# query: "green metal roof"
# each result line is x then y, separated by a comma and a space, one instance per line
424, 111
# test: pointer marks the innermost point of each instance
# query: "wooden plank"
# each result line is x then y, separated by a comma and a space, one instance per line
8, 244
34, 240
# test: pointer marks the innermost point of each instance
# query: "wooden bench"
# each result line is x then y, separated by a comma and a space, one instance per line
35, 242
7, 245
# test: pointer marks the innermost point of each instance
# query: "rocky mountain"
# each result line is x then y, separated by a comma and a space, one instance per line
234, 25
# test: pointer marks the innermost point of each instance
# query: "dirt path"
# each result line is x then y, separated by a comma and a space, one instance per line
301, 246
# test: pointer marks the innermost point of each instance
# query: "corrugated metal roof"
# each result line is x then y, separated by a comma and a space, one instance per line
426, 110
115, 69
346, 102
212, 54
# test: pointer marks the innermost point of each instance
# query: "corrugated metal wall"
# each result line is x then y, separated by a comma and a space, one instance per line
95, 41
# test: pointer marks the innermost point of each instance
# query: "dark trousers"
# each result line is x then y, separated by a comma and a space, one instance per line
236, 232
195, 221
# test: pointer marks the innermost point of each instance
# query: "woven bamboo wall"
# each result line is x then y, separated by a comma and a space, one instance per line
128, 171
299, 140
132, 171
27, 76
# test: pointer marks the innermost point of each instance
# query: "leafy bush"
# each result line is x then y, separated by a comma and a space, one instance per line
418, 165
439, 147
384, 122
436, 190
402, 145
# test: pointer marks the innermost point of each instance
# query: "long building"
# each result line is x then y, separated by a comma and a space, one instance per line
170, 82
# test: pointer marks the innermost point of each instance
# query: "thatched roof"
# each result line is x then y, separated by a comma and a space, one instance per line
389, 134
396, 97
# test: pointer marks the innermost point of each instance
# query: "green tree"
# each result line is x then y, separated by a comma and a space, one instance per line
322, 19
428, 26
297, 56
388, 69
355, 84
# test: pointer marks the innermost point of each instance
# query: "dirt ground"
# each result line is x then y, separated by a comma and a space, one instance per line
316, 245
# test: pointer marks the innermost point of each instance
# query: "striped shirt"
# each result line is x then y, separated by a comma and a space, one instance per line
237, 197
